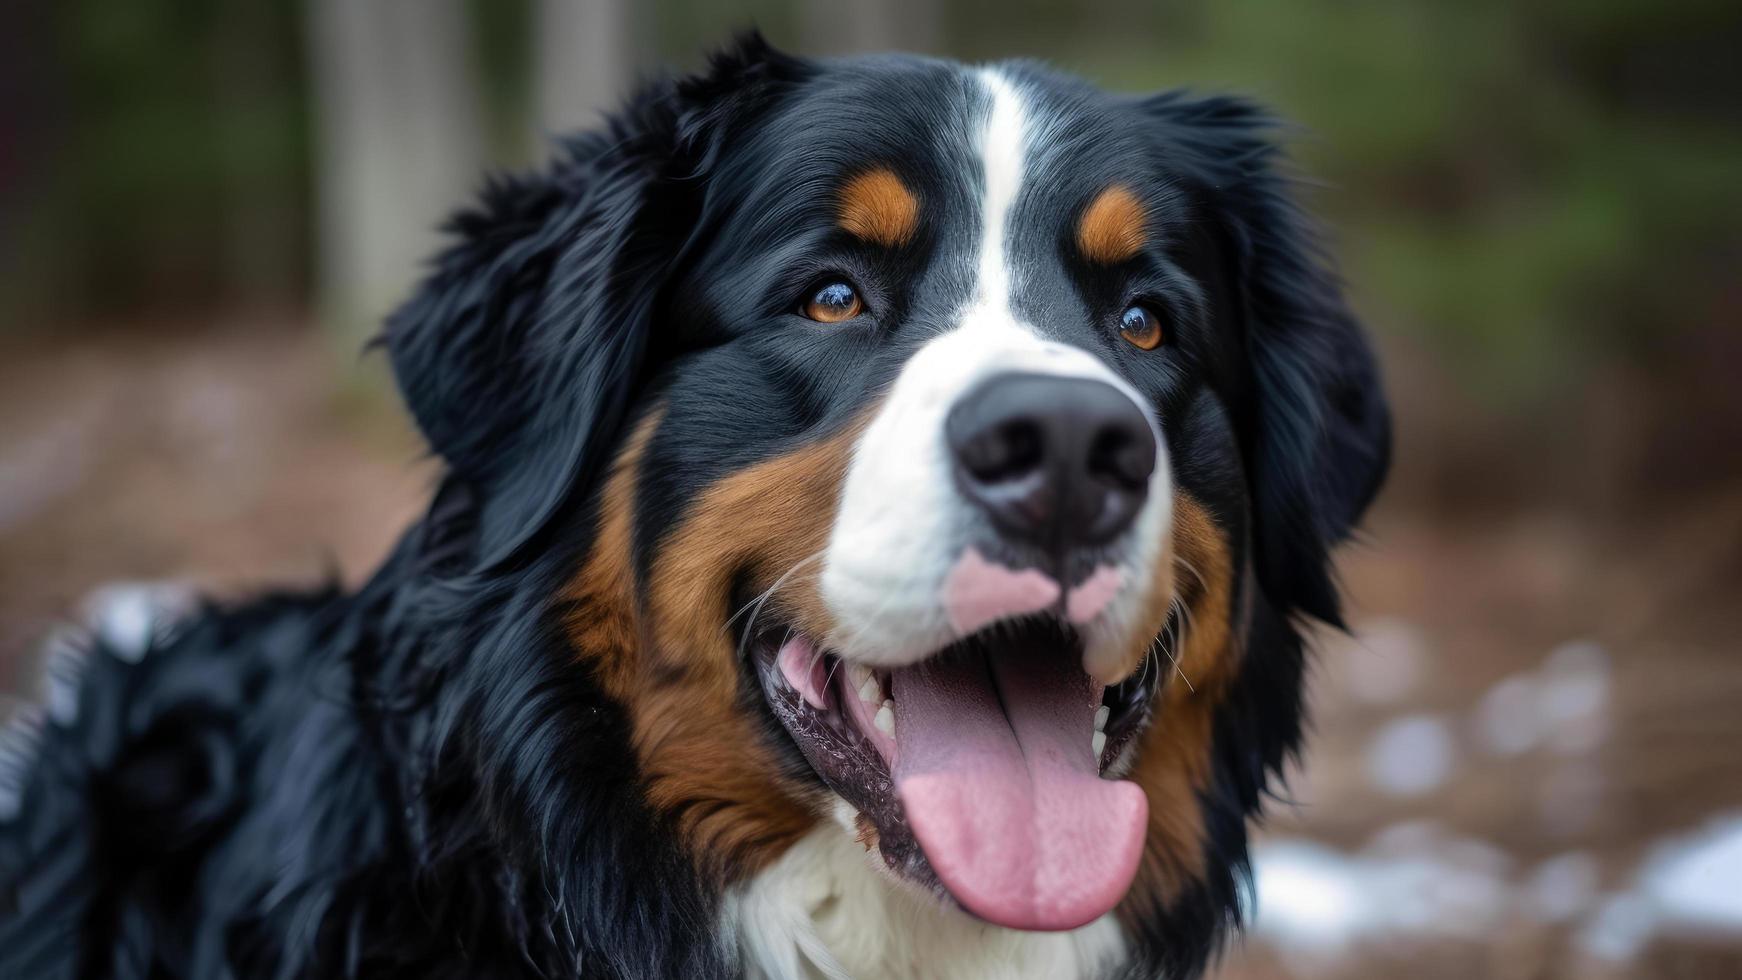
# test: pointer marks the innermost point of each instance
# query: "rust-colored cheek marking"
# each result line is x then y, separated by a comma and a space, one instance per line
1113, 227
878, 207
1173, 761
603, 623
666, 653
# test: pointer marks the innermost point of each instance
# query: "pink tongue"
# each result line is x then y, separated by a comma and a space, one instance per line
996, 776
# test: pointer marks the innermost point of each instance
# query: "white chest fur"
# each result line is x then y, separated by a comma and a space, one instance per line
822, 910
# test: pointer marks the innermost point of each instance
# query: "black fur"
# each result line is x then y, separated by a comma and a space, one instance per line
420, 780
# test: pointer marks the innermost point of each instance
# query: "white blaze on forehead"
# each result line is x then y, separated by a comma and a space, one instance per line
901, 525
1001, 144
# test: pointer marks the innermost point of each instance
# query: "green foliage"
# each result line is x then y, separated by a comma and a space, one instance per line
169, 161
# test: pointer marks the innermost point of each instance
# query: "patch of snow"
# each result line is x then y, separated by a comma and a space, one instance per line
1310, 896
131, 617
1619, 930
1507, 722
1689, 886
1561, 887
1477, 855
1695, 883
1412, 881
1411, 756
1564, 705
1574, 697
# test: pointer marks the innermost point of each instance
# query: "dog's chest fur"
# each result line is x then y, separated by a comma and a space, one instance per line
821, 910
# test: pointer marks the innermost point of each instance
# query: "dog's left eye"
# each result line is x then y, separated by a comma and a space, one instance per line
833, 303
1141, 327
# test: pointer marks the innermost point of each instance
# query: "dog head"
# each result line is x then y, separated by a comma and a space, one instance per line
944, 450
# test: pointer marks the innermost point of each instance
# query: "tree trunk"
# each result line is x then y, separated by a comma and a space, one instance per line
399, 145
586, 53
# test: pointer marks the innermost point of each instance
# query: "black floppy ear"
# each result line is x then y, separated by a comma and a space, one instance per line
521, 352
1320, 433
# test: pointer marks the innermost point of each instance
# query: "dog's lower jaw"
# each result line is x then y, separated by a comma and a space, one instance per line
824, 909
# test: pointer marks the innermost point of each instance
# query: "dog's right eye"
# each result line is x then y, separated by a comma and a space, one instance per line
834, 302
1141, 327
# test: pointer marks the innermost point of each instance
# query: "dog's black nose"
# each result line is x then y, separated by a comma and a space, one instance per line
1060, 462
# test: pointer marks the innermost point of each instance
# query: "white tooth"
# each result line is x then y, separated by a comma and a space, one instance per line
1101, 714
1098, 743
870, 691
858, 674
885, 720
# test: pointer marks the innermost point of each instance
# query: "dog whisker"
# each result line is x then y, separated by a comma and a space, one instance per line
1182, 622
782, 580
1181, 561
755, 605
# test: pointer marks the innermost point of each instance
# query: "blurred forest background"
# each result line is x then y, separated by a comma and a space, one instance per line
1529, 756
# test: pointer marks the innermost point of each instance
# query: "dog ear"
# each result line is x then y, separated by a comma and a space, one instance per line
520, 353
1320, 431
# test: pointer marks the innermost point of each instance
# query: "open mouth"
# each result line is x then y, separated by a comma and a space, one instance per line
984, 769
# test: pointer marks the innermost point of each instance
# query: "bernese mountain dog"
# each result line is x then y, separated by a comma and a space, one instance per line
882, 502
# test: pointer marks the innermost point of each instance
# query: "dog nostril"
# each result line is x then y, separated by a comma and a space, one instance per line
1006, 452
1123, 458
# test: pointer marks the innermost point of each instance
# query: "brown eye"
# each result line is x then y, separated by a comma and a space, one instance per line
1140, 326
834, 303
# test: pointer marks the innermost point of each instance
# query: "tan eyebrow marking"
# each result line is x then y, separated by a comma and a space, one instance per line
878, 207
1112, 227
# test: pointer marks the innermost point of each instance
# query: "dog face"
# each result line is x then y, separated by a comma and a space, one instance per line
937, 449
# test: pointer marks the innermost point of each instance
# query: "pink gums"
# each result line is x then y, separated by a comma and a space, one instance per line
804, 670
978, 592
1092, 595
